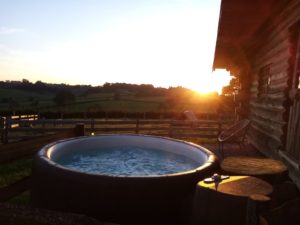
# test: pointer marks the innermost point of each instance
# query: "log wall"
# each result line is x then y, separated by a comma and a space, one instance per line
269, 112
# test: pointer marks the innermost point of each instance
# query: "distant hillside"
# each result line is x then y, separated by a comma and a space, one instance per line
118, 97
41, 87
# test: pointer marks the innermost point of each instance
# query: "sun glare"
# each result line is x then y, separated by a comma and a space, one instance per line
213, 82
162, 47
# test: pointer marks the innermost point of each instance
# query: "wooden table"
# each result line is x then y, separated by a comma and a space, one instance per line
270, 169
243, 186
228, 204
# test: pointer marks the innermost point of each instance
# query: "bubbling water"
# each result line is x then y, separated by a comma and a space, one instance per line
128, 161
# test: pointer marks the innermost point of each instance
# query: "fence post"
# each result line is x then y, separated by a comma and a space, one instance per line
79, 130
137, 126
171, 129
219, 127
43, 124
92, 124
5, 130
2, 128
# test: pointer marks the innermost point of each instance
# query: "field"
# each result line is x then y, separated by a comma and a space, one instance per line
13, 171
18, 100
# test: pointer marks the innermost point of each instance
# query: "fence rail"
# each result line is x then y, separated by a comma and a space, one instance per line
28, 127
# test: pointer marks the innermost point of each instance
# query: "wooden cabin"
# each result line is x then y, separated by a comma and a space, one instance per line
259, 42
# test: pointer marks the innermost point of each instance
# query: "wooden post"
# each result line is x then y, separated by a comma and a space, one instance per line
5, 131
2, 128
92, 124
79, 130
171, 130
255, 205
219, 127
137, 126
43, 124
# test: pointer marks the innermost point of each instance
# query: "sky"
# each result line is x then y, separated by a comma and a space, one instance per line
160, 42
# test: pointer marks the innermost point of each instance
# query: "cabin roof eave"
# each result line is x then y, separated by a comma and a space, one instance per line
238, 23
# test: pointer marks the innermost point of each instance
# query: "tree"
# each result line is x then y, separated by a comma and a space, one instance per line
25, 81
232, 88
229, 98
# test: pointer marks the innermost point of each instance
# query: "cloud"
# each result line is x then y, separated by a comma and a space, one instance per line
10, 30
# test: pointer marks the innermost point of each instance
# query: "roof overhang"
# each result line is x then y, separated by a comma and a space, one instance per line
238, 23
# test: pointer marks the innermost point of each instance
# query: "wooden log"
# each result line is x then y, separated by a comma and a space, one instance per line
267, 107
137, 126
262, 120
270, 115
227, 204
270, 169
255, 205
273, 138
79, 130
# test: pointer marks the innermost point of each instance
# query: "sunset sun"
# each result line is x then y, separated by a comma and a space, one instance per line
213, 82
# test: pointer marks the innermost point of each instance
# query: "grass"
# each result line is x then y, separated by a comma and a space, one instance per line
23, 198
22, 96
103, 102
14, 171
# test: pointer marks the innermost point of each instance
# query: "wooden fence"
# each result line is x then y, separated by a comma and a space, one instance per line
13, 121
17, 150
39, 132
172, 128
9, 122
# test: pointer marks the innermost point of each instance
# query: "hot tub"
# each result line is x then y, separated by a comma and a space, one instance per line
130, 179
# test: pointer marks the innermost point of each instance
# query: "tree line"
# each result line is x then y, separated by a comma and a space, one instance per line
64, 95
138, 90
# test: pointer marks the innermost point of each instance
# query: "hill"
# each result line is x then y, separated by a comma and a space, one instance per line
22, 96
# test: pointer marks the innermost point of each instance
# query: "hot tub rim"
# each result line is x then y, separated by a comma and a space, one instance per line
211, 158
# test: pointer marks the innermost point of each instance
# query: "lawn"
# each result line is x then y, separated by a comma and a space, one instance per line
102, 102
14, 171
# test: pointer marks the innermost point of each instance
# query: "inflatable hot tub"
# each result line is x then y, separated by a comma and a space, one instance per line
128, 179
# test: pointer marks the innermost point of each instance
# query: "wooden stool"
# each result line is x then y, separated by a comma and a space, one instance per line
270, 169
255, 205
228, 204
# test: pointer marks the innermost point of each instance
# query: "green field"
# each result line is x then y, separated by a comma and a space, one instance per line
17, 100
